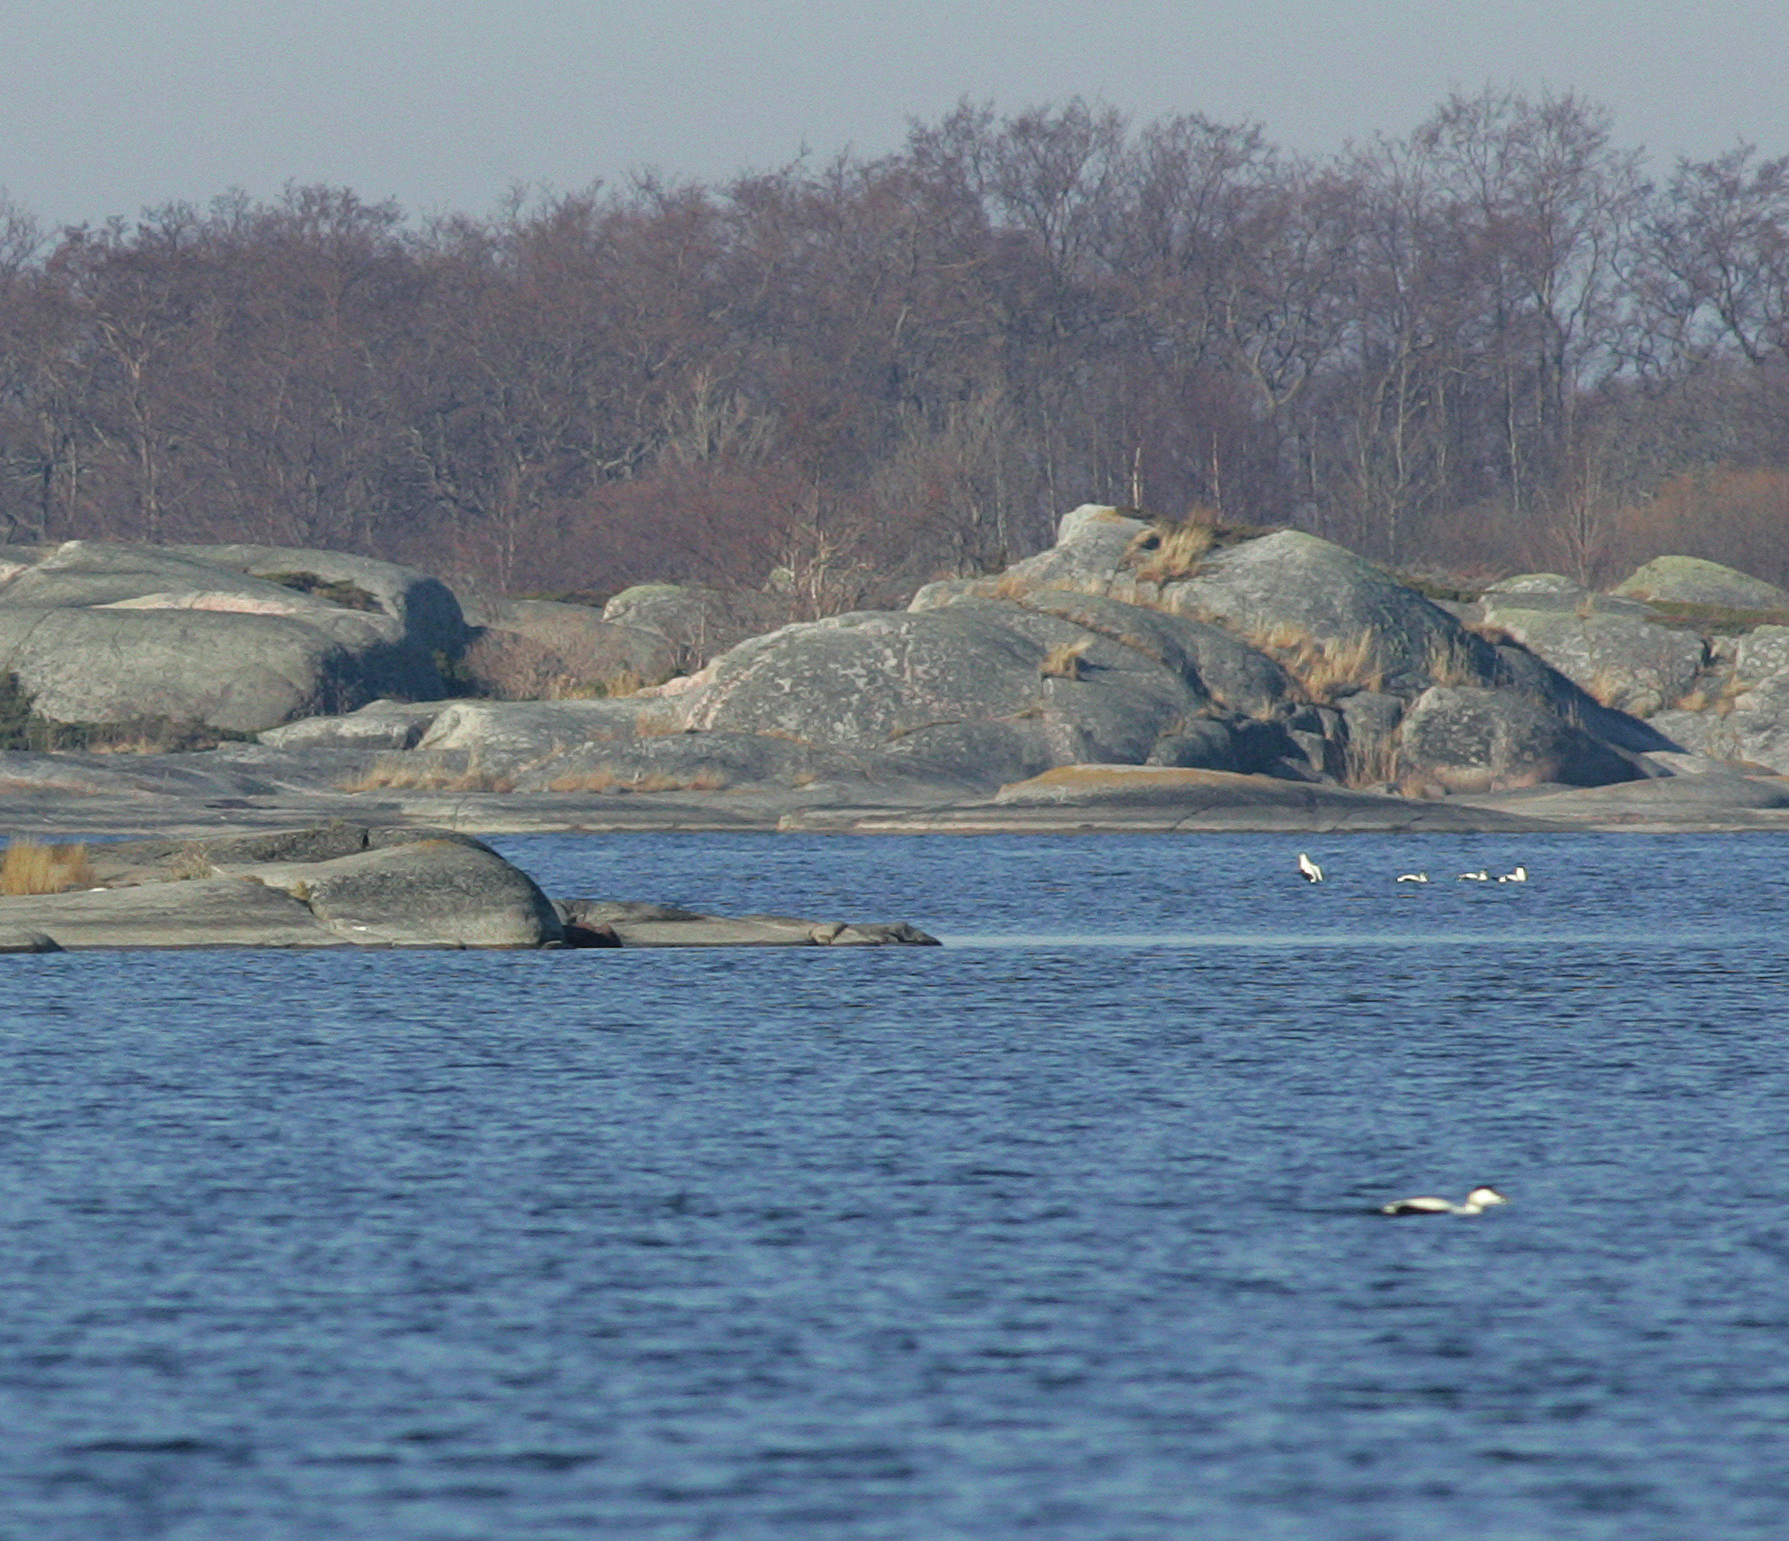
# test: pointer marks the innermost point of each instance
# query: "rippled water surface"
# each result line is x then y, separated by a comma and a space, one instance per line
1063, 1230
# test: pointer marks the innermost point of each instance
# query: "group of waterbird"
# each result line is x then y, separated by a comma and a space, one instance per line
1315, 874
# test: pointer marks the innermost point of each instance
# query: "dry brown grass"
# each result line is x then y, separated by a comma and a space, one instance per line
1066, 661
1166, 553
1324, 672
417, 771
662, 723
1716, 696
1370, 764
30, 867
608, 781
508, 666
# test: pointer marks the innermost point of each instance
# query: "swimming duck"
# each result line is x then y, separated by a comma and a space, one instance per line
1481, 876
1413, 877
1477, 1202
1309, 868
1520, 875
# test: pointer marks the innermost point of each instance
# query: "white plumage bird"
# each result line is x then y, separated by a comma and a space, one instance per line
1520, 875
1477, 1202
1309, 868
1413, 877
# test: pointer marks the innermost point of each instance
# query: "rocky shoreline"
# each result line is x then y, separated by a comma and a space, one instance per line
1136, 676
353, 885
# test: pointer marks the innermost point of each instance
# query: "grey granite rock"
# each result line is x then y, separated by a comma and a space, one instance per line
1688, 580
1466, 739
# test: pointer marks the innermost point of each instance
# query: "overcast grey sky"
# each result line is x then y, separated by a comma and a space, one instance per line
109, 106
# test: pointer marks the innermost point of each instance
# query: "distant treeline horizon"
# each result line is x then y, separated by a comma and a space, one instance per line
1491, 344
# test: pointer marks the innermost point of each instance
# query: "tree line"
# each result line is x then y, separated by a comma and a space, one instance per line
1492, 343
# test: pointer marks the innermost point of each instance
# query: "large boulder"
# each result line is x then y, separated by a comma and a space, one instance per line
514, 733
1617, 650
1466, 739
1688, 580
1299, 595
699, 623
426, 609
978, 690
229, 671
435, 892
1092, 545
1224, 668
107, 632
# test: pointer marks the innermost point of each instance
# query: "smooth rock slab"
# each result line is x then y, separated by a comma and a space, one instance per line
201, 912
665, 925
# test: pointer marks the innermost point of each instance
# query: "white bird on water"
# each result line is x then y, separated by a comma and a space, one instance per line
1477, 1202
1414, 877
1520, 875
1481, 876
1309, 868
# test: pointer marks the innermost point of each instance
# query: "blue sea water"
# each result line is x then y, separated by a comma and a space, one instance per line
1066, 1229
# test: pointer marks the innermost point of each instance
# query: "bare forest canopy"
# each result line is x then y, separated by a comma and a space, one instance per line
1492, 344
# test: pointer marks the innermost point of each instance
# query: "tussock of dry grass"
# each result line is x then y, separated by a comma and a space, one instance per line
657, 724
1065, 661
409, 771
1717, 697
30, 867
1370, 764
1324, 672
1166, 553
606, 781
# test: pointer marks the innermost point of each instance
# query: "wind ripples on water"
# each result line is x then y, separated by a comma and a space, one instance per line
1065, 1230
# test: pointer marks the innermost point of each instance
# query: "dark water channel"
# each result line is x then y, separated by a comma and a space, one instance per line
1063, 1230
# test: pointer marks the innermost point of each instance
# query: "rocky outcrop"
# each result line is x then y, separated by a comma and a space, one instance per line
1276, 653
424, 607
351, 885
1242, 652
335, 885
99, 632
1234, 652
1698, 650
609, 923
1688, 580
698, 623
1618, 650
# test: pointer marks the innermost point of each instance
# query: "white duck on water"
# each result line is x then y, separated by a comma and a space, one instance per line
1309, 868
1520, 875
1477, 1202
